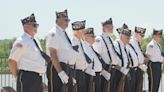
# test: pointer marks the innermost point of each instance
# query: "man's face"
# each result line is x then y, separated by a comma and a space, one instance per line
108, 28
81, 32
157, 37
125, 39
31, 27
90, 39
139, 36
64, 22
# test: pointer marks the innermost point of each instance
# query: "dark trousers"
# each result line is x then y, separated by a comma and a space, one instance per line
29, 82
115, 79
97, 80
127, 87
103, 85
80, 79
139, 80
154, 75
135, 83
54, 81
130, 81
87, 79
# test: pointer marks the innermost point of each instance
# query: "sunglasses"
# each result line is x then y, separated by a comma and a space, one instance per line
66, 20
34, 25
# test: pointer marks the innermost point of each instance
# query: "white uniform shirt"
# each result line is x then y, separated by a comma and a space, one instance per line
137, 58
81, 63
101, 48
56, 39
125, 58
154, 52
27, 55
91, 54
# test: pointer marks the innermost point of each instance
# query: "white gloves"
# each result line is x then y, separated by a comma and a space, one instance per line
90, 71
124, 70
74, 81
106, 74
143, 67
64, 77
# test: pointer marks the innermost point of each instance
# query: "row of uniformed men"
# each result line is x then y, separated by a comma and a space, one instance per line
113, 66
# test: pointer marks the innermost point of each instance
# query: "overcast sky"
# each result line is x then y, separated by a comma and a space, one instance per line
143, 13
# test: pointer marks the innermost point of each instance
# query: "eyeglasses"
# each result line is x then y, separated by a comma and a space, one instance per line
35, 25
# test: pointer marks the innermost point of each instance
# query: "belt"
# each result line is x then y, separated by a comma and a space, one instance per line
65, 62
39, 74
80, 70
97, 73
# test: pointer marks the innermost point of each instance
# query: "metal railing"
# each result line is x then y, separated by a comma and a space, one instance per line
6, 77
7, 80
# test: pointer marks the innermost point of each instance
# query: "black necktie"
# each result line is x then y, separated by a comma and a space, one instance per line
142, 50
36, 44
120, 55
99, 57
140, 46
85, 55
127, 56
44, 55
112, 44
162, 53
81, 46
159, 47
105, 66
93, 50
68, 38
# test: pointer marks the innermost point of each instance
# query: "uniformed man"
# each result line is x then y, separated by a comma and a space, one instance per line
137, 60
81, 64
63, 56
95, 66
25, 61
104, 46
154, 53
123, 59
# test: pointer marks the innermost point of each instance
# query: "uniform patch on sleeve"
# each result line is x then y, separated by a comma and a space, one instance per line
19, 45
151, 46
52, 35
